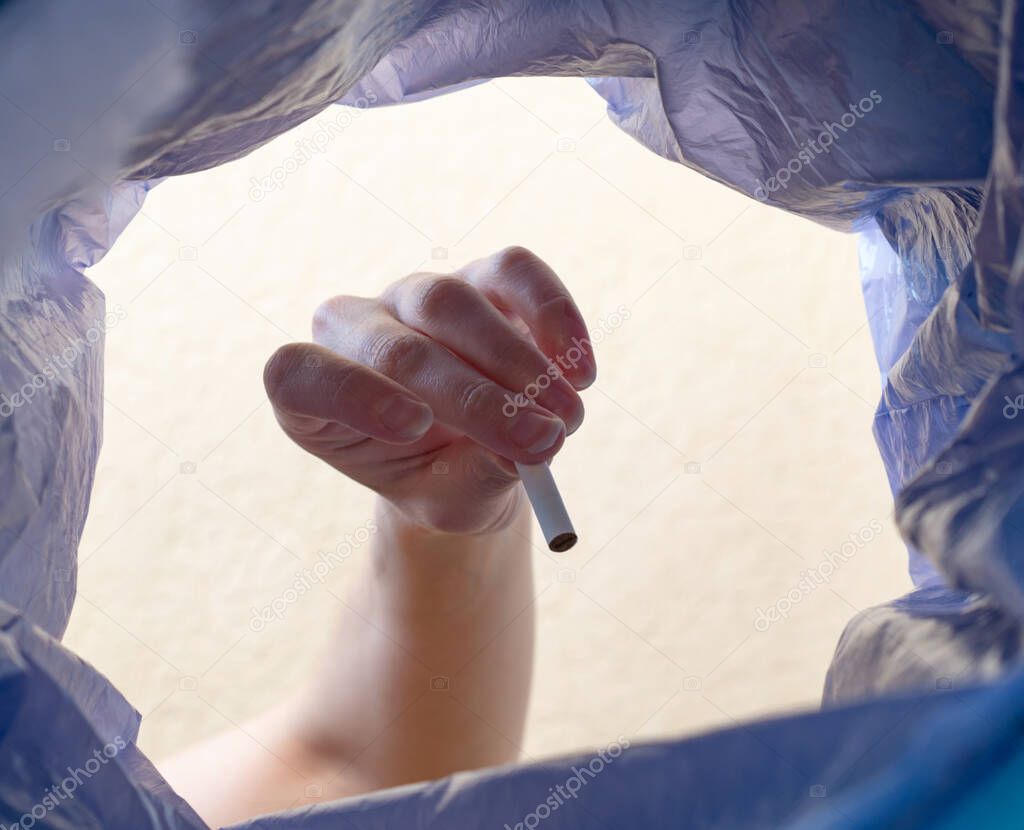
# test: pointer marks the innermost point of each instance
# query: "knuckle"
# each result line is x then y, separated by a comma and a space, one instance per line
396, 355
330, 313
475, 396
433, 298
344, 381
555, 307
325, 315
516, 258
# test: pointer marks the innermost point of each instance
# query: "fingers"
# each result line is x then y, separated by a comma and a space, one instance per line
517, 280
314, 390
457, 315
446, 341
458, 394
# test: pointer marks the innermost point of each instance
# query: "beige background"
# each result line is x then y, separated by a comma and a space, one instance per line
745, 352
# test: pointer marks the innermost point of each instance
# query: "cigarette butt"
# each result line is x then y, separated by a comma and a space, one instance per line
548, 506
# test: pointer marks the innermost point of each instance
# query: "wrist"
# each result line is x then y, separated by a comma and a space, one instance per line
404, 524
427, 572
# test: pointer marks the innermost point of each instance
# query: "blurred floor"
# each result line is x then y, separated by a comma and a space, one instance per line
727, 448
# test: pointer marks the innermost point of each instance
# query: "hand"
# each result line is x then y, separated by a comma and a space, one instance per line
427, 393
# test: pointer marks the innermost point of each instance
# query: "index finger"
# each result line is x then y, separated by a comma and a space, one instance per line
311, 387
519, 281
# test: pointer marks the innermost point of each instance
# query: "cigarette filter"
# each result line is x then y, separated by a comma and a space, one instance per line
548, 506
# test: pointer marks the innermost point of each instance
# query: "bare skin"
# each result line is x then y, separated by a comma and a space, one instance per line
430, 672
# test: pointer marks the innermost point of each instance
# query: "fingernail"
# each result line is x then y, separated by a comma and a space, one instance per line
534, 432
404, 416
565, 404
578, 351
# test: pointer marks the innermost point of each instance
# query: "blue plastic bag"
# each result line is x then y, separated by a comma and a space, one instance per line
884, 118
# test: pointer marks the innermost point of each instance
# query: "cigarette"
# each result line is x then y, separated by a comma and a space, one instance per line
548, 506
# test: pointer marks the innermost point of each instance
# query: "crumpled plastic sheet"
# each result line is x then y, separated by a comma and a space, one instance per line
99, 102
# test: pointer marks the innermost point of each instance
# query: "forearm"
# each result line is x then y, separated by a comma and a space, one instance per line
430, 669
427, 672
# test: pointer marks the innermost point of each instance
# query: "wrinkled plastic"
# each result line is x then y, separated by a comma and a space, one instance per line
743, 92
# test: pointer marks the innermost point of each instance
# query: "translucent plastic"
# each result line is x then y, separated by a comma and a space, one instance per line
877, 119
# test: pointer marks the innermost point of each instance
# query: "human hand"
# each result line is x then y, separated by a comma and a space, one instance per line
428, 393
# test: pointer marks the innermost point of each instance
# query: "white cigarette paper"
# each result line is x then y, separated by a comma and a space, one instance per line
548, 506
